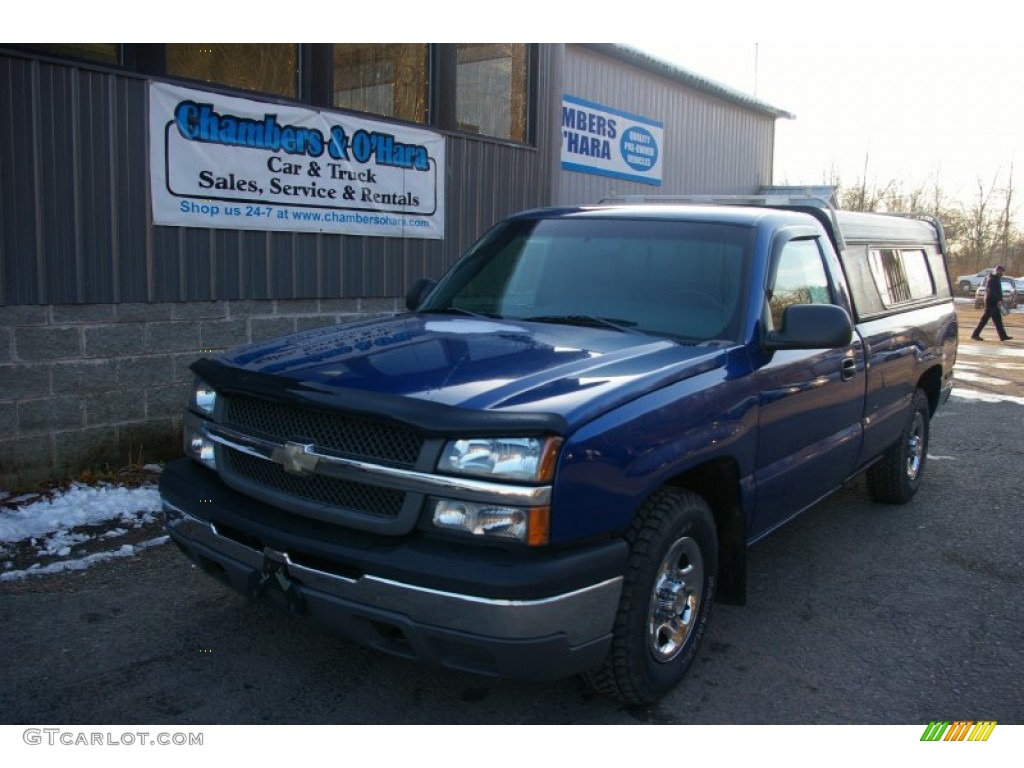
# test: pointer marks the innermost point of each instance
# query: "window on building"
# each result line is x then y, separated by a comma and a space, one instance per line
383, 79
492, 88
264, 67
108, 53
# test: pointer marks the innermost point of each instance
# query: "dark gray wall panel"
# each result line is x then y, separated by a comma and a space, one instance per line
93, 141
256, 284
227, 263
281, 264
56, 176
129, 195
330, 267
196, 259
20, 265
306, 267
166, 265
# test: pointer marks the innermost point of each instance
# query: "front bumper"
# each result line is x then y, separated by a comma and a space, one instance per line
489, 612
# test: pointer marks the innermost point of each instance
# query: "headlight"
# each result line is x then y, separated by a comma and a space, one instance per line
503, 458
203, 399
527, 525
197, 445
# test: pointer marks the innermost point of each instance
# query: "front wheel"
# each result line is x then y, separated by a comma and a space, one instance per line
894, 479
667, 592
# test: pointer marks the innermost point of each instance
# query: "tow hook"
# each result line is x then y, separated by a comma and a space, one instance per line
273, 578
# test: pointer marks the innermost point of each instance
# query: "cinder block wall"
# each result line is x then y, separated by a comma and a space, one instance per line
82, 386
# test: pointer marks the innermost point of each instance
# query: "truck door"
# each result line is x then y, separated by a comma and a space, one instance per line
811, 400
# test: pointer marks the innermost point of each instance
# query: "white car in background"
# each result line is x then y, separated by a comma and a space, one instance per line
968, 283
1011, 293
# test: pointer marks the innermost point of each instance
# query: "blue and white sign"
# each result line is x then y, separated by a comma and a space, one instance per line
609, 142
225, 161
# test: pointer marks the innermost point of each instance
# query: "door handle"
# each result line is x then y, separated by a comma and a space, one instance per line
848, 369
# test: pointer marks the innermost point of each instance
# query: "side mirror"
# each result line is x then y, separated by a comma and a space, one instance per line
418, 292
812, 326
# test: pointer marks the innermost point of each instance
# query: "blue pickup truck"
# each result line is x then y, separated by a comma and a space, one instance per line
554, 463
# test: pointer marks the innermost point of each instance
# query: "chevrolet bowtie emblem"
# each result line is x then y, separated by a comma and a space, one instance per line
296, 458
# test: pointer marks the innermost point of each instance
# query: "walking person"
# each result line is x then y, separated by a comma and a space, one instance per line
993, 306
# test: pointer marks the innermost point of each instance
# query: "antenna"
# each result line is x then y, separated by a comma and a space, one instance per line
755, 68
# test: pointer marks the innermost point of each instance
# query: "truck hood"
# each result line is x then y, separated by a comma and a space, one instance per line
480, 364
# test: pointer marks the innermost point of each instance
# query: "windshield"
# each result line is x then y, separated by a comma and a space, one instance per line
668, 278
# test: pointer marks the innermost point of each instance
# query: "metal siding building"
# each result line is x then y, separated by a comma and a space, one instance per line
717, 141
102, 311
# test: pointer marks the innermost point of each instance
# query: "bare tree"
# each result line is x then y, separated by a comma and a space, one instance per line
980, 227
1005, 256
862, 196
979, 233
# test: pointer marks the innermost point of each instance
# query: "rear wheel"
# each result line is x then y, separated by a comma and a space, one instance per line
896, 477
667, 593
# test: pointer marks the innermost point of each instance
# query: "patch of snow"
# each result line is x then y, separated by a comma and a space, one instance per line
978, 378
78, 506
991, 348
54, 525
60, 543
985, 397
126, 550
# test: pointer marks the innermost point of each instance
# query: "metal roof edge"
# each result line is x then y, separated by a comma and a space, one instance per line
671, 71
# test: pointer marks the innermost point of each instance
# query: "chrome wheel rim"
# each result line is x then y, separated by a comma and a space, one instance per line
675, 599
915, 447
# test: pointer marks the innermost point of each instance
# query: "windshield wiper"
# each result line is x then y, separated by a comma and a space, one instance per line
623, 326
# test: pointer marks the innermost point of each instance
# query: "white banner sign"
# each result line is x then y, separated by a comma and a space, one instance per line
221, 161
609, 142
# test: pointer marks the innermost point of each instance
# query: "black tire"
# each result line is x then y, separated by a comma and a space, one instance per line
896, 477
667, 593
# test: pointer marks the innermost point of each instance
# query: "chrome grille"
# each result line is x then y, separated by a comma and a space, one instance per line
378, 442
349, 502
334, 492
